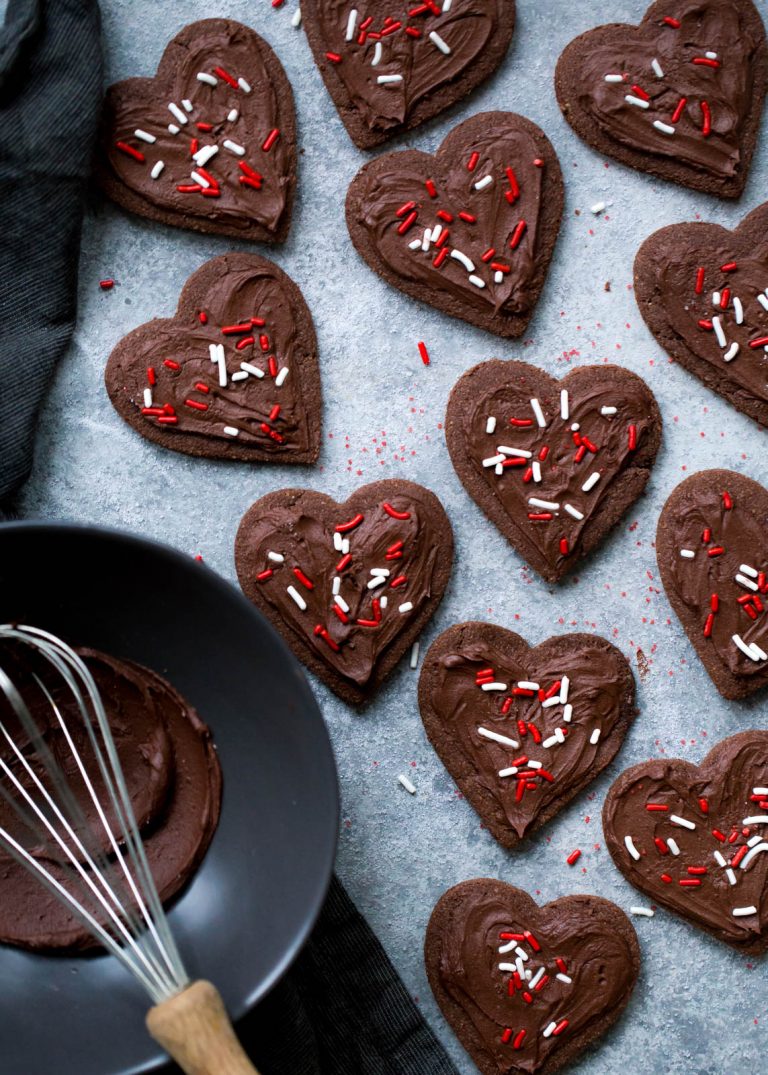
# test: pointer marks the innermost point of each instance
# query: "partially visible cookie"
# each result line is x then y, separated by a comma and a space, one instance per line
209, 142
694, 838
469, 230
523, 729
349, 586
233, 375
390, 67
703, 292
679, 96
526, 988
554, 464
712, 549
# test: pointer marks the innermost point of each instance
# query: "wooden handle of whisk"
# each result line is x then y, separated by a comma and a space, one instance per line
195, 1029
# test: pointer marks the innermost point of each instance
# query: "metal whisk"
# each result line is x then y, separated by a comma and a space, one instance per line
68, 819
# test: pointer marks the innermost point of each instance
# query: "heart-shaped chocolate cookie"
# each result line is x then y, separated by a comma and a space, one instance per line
712, 549
521, 729
527, 988
233, 375
554, 464
703, 292
694, 838
679, 96
469, 230
389, 67
209, 143
349, 586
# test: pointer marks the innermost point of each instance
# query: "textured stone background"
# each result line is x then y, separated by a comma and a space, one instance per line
699, 1006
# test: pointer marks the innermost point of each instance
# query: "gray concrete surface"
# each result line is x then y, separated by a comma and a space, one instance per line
699, 1007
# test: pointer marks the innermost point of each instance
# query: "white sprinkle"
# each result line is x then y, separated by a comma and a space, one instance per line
345, 545
157, 169
280, 379
383, 602
499, 469
203, 155
754, 840
564, 978
239, 376
731, 353
637, 101
550, 505
406, 784
296, 20
426, 239
752, 650
415, 244
378, 580
511, 771
575, 427
549, 702
537, 977
574, 512
756, 850
173, 128
147, 397
486, 181
657, 70
233, 147
518, 453
536, 470
337, 539
231, 431
738, 310
490, 425
716, 296
477, 281
386, 80
211, 80
682, 821
534, 765
447, 5
742, 912
465, 261
507, 947
493, 687
665, 128
436, 39
731, 876
608, 411
522, 954
748, 584
591, 481
351, 24
672, 845
200, 179
747, 570
711, 55
144, 136
629, 843
597, 208
547, 1032
415, 655
233, 115
376, 55
498, 277
383, 571
277, 557
297, 598
177, 114
646, 912
756, 819
221, 358
550, 742
527, 685
564, 407
565, 683
687, 554
719, 858
508, 967
763, 300
497, 738
493, 460
341, 602
244, 86
405, 607
614, 78
187, 104
568, 713
253, 370
336, 585
538, 413
594, 736
719, 331
760, 791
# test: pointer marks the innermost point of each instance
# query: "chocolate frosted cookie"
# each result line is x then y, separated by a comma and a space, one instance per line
554, 464
233, 375
712, 549
209, 143
679, 96
694, 838
703, 292
528, 988
349, 586
390, 67
469, 230
521, 729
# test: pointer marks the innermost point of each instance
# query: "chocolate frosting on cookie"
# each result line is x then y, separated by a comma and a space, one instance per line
695, 838
678, 87
173, 779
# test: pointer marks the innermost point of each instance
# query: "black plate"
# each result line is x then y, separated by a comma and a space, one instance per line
258, 892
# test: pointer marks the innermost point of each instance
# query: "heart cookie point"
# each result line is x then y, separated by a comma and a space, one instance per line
349, 586
554, 464
713, 559
695, 838
527, 988
469, 230
679, 96
208, 143
234, 375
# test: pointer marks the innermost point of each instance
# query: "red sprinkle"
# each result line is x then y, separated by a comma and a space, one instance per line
674, 23
640, 92
265, 575
666, 878
405, 208
467, 217
724, 298
344, 528
704, 806
303, 578
730, 266
395, 514
560, 1027
151, 375
202, 317
440, 257
245, 342
761, 341
270, 140
661, 845
431, 188
727, 499
408, 223
399, 581
517, 234
488, 254
706, 128
518, 1042
709, 624
233, 330
679, 110
507, 1035
424, 353
716, 550
564, 546
193, 403
344, 562
697, 870
333, 57
656, 806
106, 285
704, 61
226, 76
171, 364
739, 855
689, 882
130, 151
472, 162
574, 857
632, 438
514, 187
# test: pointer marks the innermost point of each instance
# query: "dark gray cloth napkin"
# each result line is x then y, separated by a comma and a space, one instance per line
341, 1009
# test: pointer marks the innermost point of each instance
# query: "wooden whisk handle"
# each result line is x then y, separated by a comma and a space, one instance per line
195, 1029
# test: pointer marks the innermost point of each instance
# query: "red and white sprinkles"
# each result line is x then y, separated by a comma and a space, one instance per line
746, 588
732, 312
531, 975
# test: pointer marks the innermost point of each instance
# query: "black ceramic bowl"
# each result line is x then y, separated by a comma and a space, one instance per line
258, 892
